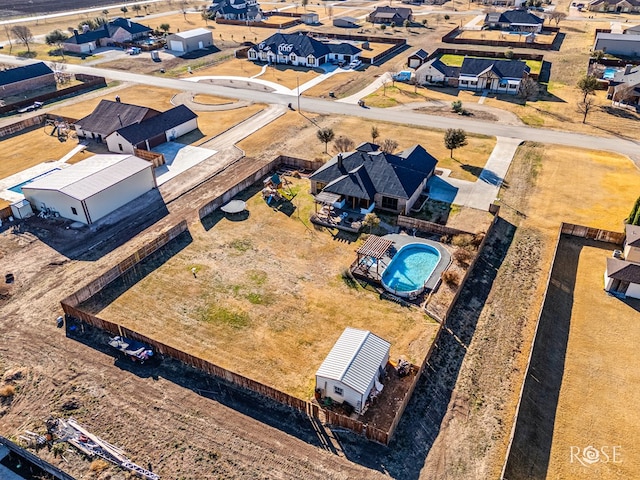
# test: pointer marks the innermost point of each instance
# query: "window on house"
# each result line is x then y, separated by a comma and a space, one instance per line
473, 82
74, 211
390, 203
120, 146
338, 390
513, 85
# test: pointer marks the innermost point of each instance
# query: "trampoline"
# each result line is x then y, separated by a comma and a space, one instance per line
234, 206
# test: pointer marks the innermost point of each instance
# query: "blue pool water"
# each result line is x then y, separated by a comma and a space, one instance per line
410, 268
609, 73
18, 188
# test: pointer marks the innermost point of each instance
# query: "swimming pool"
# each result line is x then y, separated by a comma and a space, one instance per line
609, 72
18, 188
410, 269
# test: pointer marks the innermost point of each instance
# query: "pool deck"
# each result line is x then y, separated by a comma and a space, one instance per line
400, 240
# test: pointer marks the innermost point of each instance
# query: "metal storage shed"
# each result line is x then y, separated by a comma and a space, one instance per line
353, 367
93, 188
195, 39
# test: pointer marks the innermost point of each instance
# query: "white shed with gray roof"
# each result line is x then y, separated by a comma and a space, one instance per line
353, 367
93, 188
195, 39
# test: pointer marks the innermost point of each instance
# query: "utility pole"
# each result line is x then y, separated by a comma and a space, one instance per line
298, 82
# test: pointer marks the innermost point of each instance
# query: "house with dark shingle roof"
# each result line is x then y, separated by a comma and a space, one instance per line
16, 81
153, 131
368, 179
625, 86
499, 76
110, 116
514, 21
618, 6
389, 15
299, 49
417, 58
436, 72
622, 276
119, 30
236, 10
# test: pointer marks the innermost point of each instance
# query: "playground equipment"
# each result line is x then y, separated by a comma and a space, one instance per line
57, 127
276, 188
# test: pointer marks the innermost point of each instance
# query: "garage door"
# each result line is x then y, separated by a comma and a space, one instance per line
177, 46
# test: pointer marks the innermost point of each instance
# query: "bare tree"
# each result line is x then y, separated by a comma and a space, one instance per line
330, 11
585, 106
59, 72
23, 35
6, 30
529, 89
124, 10
343, 144
183, 8
557, 17
388, 145
136, 8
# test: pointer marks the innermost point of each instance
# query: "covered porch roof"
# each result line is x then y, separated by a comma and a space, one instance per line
327, 198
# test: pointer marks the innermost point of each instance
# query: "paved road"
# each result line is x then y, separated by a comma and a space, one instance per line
624, 146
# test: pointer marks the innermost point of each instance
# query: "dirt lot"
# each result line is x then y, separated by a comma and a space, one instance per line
261, 296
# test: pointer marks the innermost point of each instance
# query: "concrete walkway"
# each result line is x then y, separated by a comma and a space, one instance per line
368, 90
481, 193
476, 23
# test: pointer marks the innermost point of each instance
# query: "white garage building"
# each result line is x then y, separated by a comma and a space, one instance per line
93, 188
353, 368
195, 39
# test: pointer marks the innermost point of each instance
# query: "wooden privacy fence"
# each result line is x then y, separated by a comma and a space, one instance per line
254, 176
482, 53
430, 227
592, 233
452, 37
156, 158
34, 121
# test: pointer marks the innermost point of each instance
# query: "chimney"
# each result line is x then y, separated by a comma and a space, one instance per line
75, 34
627, 68
339, 160
118, 98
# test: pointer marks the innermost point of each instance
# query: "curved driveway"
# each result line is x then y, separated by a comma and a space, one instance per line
631, 148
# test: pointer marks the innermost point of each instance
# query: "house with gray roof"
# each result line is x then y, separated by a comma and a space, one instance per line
153, 131
353, 368
625, 86
302, 50
514, 21
499, 76
622, 275
388, 15
26, 78
368, 179
109, 116
434, 72
618, 44
618, 6
236, 10
118, 30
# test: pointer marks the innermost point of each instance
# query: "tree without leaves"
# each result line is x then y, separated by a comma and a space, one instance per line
6, 29
343, 144
325, 135
183, 8
587, 85
304, 4
585, 106
388, 145
374, 133
57, 38
557, 17
454, 138
529, 89
23, 35
105, 12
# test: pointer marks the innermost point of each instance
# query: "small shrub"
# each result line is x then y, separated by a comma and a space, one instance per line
508, 54
98, 465
463, 257
477, 239
451, 278
462, 240
7, 391
447, 17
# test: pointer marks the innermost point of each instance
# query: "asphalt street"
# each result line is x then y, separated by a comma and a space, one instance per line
621, 145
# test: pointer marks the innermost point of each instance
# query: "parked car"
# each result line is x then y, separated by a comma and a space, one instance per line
31, 108
355, 64
134, 51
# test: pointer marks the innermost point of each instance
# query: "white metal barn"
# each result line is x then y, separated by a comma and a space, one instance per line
353, 367
195, 39
93, 188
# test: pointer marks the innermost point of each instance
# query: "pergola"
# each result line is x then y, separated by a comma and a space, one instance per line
326, 198
376, 248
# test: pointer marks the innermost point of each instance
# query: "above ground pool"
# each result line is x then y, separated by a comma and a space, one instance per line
410, 268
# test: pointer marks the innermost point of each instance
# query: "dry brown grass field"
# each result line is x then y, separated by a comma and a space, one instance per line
597, 394
497, 35
268, 293
466, 165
